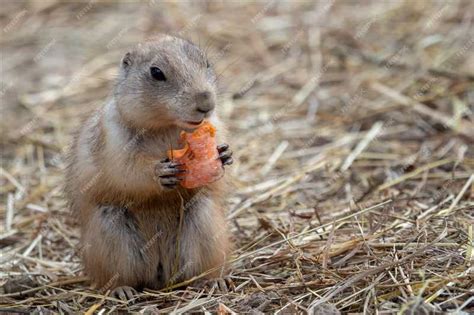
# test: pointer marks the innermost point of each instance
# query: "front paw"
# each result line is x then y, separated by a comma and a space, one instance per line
169, 173
225, 154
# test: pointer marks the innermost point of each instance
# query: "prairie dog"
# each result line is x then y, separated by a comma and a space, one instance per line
125, 192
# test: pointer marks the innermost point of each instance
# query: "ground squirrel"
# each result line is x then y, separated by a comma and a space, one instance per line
125, 192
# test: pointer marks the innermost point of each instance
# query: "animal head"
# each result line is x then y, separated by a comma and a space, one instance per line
166, 82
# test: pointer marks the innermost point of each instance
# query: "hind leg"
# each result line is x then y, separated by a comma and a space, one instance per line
205, 243
114, 250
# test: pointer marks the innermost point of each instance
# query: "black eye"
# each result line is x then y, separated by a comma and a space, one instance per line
208, 64
157, 74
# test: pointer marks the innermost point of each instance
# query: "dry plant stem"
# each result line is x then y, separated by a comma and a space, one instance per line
465, 128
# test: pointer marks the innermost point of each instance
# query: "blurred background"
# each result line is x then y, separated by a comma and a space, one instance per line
352, 128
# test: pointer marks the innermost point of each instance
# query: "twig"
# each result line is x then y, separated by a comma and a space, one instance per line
374, 131
463, 128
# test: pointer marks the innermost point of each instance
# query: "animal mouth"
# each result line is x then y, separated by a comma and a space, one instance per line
189, 125
194, 123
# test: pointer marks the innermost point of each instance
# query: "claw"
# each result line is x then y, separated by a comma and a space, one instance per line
170, 180
168, 173
225, 155
175, 164
222, 147
228, 161
171, 171
223, 285
124, 293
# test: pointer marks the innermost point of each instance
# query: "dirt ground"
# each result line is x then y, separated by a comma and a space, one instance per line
352, 127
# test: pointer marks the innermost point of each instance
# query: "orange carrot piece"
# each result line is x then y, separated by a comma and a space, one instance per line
199, 156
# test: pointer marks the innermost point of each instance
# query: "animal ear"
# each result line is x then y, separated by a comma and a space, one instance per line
127, 60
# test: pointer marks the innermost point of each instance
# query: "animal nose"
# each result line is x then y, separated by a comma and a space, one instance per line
205, 102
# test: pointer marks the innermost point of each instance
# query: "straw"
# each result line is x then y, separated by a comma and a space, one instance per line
352, 131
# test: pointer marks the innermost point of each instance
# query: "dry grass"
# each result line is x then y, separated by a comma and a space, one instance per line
352, 127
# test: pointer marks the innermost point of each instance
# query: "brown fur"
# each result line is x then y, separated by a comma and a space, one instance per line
130, 224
